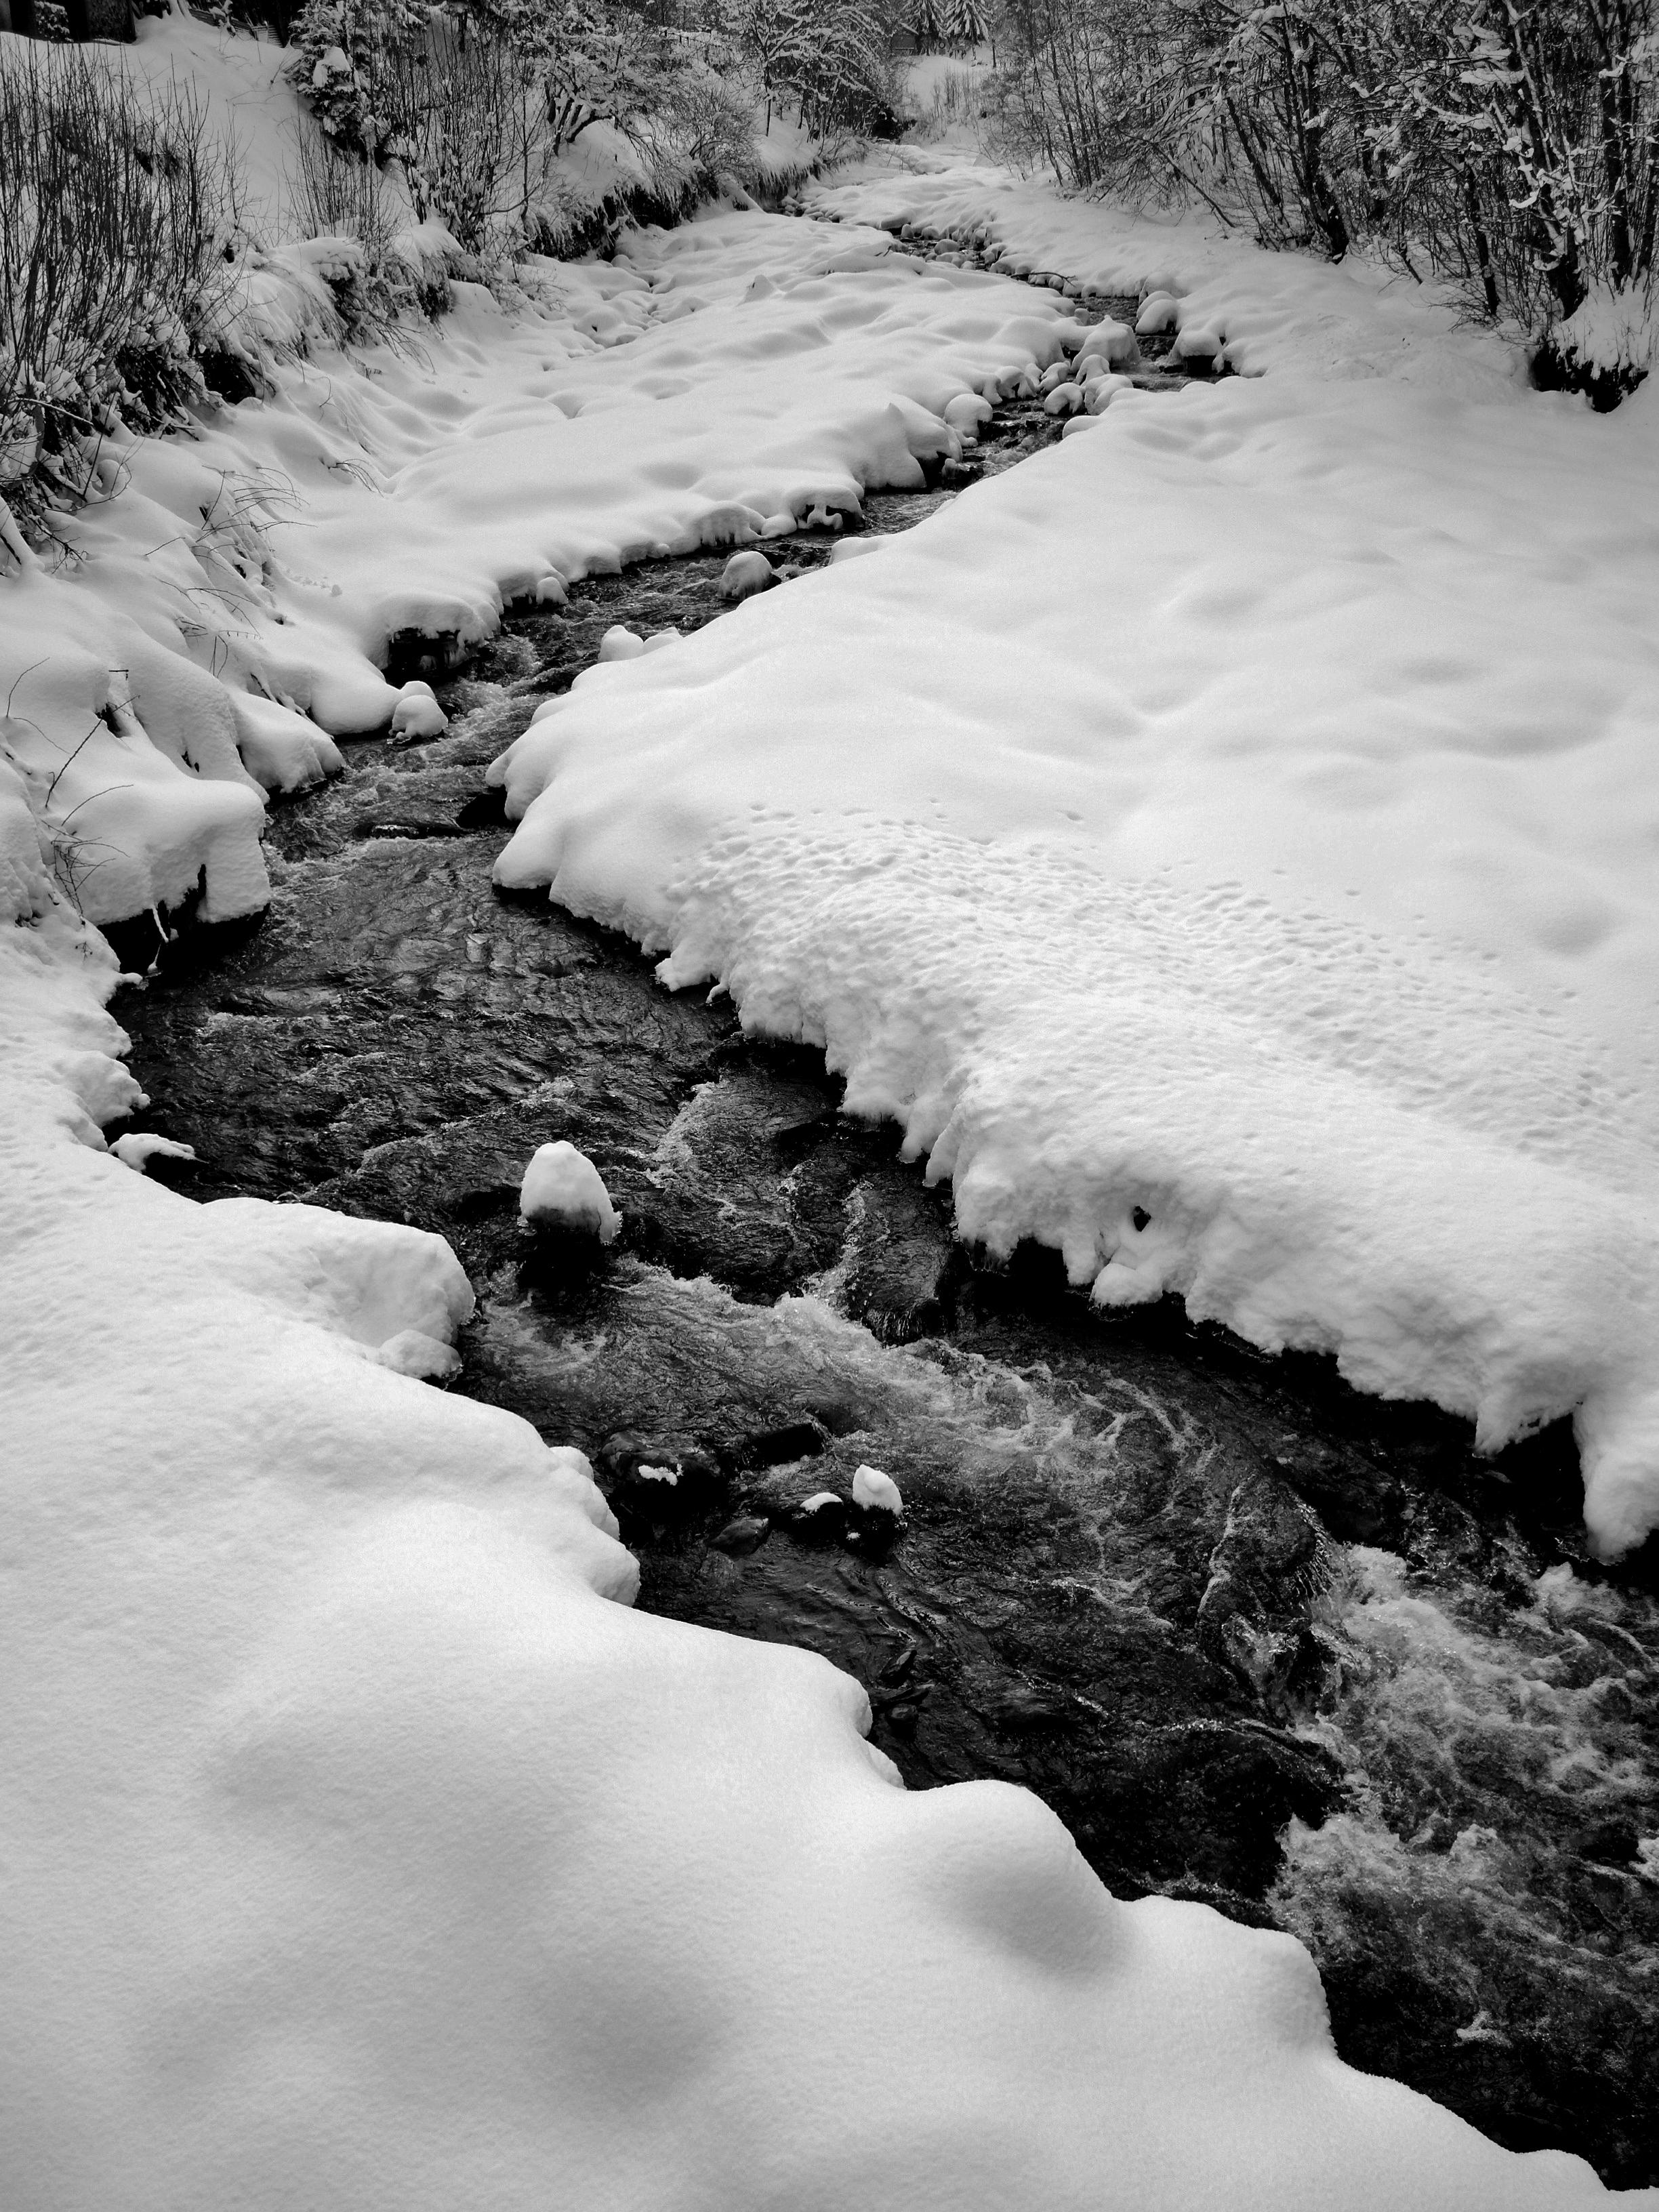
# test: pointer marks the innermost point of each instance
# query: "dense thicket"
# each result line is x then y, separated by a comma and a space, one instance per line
118, 209
478, 99
1513, 144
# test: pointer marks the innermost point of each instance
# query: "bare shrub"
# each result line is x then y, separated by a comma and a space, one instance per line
1511, 144
473, 134
120, 211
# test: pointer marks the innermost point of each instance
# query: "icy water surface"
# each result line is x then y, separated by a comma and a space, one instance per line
1259, 1642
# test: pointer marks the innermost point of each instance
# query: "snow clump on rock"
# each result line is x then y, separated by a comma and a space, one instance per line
564, 1189
744, 575
875, 1491
418, 714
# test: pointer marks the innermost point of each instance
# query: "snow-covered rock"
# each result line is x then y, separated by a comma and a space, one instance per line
412, 1351
562, 1189
1100, 391
1159, 311
620, 643
966, 412
1196, 342
136, 1149
418, 714
744, 575
1112, 343
875, 1491
281, 749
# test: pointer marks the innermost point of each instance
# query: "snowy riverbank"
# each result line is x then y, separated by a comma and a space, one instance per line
365, 1846
1221, 847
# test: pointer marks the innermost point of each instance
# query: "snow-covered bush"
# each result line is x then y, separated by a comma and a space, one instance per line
831, 58
339, 195
118, 240
1511, 144
476, 103
341, 53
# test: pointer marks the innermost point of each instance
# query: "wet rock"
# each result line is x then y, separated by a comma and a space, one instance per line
822, 1518
903, 1263
1272, 1564
413, 655
657, 1481
782, 1446
747, 1533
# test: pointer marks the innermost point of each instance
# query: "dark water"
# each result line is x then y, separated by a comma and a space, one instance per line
1260, 1642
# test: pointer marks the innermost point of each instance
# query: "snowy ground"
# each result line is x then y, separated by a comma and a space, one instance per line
363, 1847
1224, 844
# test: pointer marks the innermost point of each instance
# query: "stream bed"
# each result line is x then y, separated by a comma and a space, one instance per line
1260, 1642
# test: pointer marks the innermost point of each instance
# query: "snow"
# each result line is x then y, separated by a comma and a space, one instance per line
418, 714
744, 575
137, 1151
875, 1491
1242, 814
363, 1846
564, 1189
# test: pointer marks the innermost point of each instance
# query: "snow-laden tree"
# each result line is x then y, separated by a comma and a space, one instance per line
1513, 144
829, 59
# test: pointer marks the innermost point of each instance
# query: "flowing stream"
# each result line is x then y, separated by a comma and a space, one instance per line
1260, 1642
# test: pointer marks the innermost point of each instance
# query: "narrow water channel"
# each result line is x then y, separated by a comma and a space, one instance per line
1260, 1642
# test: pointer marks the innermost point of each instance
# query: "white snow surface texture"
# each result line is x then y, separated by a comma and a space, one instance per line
1239, 820
362, 1850
363, 1847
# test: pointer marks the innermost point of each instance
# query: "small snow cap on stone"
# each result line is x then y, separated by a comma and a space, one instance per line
136, 1150
1110, 344
412, 1351
1064, 399
564, 1189
1159, 311
744, 575
418, 714
875, 1491
966, 412
1198, 344
1099, 392
620, 643
551, 591
818, 1500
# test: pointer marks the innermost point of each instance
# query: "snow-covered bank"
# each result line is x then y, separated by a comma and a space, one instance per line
362, 1847
224, 602
1224, 844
